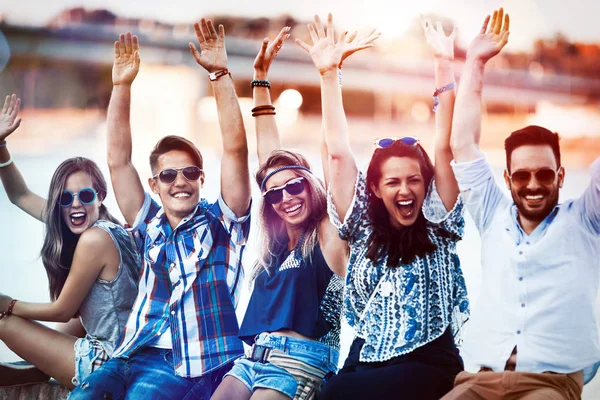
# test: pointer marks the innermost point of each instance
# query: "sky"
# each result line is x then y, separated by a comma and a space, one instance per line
577, 19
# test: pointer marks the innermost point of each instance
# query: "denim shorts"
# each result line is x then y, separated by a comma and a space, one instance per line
300, 355
90, 354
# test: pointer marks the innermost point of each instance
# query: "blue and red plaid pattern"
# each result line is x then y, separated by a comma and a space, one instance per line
190, 281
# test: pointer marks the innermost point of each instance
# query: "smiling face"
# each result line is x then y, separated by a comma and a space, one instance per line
180, 197
534, 200
78, 216
402, 189
294, 210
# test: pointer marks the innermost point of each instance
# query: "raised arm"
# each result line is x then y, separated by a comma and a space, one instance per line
14, 184
125, 179
94, 250
442, 47
267, 135
466, 124
327, 54
235, 177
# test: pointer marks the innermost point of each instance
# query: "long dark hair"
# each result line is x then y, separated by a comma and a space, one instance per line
406, 242
273, 235
59, 242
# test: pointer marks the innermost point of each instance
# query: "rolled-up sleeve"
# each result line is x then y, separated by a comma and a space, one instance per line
588, 205
479, 191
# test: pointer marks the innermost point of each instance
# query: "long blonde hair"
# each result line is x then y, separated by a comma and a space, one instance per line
273, 234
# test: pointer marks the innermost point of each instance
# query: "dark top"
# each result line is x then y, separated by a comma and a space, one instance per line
302, 296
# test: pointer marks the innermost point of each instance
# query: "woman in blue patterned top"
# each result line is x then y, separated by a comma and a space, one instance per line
293, 318
405, 293
92, 269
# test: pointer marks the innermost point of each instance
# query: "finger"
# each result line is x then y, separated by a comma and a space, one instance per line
305, 46
222, 32
195, 52
330, 33
263, 48
485, 24
281, 36
199, 34
128, 43
429, 27
204, 29
493, 22
454, 33
351, 36
135, 44
16, 108
122, 44
11, 106
313, 34
117, 52
14, 126
504, 39
211, 29
440, 28
423, 22
6, 103
506, 23
342, 36
373, 36
320, 29
499, 20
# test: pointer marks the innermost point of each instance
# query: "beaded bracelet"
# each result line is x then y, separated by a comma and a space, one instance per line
436, 94
260, 82
10, 307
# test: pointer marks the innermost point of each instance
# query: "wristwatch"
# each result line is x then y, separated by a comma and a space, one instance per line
213, 76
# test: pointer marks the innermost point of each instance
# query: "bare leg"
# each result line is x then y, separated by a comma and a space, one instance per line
268, 394
49, 350
231, 388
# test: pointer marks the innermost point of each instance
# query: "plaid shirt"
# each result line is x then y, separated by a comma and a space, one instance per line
190, 281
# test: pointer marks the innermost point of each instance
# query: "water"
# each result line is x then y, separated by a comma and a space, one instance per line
23, 277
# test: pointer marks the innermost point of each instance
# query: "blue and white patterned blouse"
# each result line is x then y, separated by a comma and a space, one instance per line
396, 310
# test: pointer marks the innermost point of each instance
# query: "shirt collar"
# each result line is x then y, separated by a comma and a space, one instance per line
514, 227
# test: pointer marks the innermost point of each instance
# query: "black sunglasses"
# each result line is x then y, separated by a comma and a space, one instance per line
545, 176
293, 187
86, 196
382, 143
167, 176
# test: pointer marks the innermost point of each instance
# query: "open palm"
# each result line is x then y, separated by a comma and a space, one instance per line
490, 41
441, 45
126, 64
8, 118
212, 55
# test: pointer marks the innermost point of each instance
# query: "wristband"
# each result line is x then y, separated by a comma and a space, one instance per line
213, 76
260, 82
10, 307
3, 144
436, 94
6, 164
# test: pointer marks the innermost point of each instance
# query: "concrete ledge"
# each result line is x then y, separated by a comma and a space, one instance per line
37, 391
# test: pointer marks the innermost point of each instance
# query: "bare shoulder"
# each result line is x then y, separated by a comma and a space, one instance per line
96, 242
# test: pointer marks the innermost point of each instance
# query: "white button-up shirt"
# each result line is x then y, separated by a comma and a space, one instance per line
538, 291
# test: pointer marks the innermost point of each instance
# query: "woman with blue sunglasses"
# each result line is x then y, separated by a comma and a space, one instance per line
292, 322
405, 294
92, 269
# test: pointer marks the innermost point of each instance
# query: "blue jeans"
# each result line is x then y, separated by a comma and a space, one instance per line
147, 374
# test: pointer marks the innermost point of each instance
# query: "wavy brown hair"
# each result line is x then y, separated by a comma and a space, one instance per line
59, 242
405, 243
273, 235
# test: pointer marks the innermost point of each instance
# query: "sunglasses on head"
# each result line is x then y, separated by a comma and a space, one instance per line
382, 143
86, 196
191, 173
293, 187
545, 176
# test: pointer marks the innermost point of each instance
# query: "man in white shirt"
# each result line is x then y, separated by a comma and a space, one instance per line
533, 332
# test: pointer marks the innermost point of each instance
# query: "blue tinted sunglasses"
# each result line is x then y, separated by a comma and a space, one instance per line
293, 187
387, 142
86, 196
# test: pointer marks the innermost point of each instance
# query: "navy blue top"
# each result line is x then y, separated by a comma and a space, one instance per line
302, 296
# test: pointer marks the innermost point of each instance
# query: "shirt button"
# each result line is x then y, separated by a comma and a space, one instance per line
518, 332
172, 265
520, 278
172, 312
527, 243
522, 304
507, 230
521, 253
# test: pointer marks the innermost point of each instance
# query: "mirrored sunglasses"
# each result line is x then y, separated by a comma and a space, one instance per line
293, 187
86, 196
544, 176
167, 176
382, 143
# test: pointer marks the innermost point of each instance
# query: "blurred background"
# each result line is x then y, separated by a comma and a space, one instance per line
57, 56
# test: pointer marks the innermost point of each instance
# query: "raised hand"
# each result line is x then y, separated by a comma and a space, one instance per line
326, 52
268, 51
492, 39
127, 59
212, 55
8, 118
441, 45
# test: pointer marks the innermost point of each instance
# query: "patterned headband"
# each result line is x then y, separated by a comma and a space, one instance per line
270, 174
